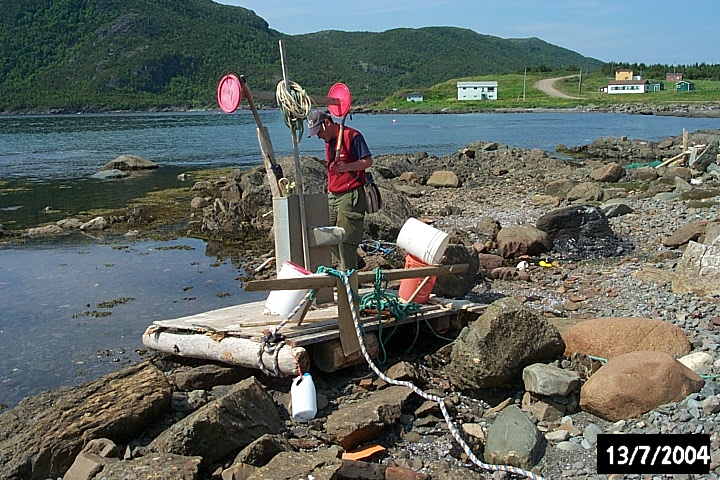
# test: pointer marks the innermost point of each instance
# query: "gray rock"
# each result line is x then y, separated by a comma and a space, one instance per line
500, 343
513, 439
97, 223
616, 208
585, 221
643, 174
458, 285
129, 162
355, 423
207, 376
262, 450
199, 202
711, 405
99, 459
110, 174
681, 186
550, 381
517, 240
45, 231
443, 179
69, 223
699, 269
585, 192
324, 464
610, 173
667, 196
591, 433
41, 437
559, 188
246, 413
557, 436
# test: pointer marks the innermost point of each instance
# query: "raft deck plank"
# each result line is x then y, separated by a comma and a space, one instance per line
320, 324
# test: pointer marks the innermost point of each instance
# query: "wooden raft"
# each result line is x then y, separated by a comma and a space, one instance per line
234, 334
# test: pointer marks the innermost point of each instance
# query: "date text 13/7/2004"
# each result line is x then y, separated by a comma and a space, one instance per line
653, 453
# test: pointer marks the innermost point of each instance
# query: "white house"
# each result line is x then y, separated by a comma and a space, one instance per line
477, 90
627, 86
414, 97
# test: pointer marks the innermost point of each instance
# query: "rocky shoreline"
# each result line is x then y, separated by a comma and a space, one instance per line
689, 109
618, 252
681, 109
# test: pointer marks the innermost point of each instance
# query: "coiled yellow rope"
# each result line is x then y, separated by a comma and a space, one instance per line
295, 105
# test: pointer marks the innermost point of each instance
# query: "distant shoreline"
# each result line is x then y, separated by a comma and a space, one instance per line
686, 109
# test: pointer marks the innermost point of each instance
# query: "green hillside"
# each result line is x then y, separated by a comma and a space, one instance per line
90, 55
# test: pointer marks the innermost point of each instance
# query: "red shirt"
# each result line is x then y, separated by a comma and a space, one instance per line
341, 182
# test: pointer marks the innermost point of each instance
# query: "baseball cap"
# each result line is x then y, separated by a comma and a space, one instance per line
315, 120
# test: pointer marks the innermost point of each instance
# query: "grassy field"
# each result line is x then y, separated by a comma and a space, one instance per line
517, 91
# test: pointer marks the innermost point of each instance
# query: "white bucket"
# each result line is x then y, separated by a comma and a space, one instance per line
303, 398
283, 302
423, 241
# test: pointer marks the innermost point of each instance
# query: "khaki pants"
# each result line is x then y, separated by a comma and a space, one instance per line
347, 210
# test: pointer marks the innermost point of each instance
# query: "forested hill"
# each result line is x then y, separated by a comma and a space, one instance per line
80, 55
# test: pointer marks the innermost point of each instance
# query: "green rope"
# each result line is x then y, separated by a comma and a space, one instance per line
381, 300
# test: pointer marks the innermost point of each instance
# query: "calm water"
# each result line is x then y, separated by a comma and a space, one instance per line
56, 295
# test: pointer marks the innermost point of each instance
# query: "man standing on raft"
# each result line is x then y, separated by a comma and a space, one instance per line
346, 178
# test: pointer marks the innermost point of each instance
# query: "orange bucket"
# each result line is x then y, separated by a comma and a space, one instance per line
408, 286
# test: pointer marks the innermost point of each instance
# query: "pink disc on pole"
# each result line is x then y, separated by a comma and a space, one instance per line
342, 93
229, 93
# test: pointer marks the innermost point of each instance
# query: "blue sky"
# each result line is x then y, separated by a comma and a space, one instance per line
660, 31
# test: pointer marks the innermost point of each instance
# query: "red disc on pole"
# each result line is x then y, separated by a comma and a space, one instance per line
229, 93
342, 93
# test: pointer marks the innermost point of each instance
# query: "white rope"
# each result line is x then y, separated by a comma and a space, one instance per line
433, 398
295, 105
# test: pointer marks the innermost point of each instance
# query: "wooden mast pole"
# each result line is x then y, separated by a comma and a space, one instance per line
298, 171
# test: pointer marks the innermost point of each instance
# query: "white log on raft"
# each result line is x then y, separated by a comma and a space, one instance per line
231, 350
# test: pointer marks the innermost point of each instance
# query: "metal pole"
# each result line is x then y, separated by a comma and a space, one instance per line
298, 172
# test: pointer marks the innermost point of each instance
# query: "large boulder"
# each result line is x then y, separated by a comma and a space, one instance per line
559, 188
362, 421
691, 231
699, 269
41, 437
500, 343
229, 423
634, 383
610, 337
574, 222
443, 179
610, 173
585, 192
518, 240
101, 459
579, 231
457, 285
129, 162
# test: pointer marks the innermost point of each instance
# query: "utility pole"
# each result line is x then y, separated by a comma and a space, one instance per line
580, 83
524, 82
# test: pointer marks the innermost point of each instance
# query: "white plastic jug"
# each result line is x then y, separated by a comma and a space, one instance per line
304, 398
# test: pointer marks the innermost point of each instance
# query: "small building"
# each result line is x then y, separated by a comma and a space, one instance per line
414, 97
673, 77
477, 90
655, 86
627, 86
684, 86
